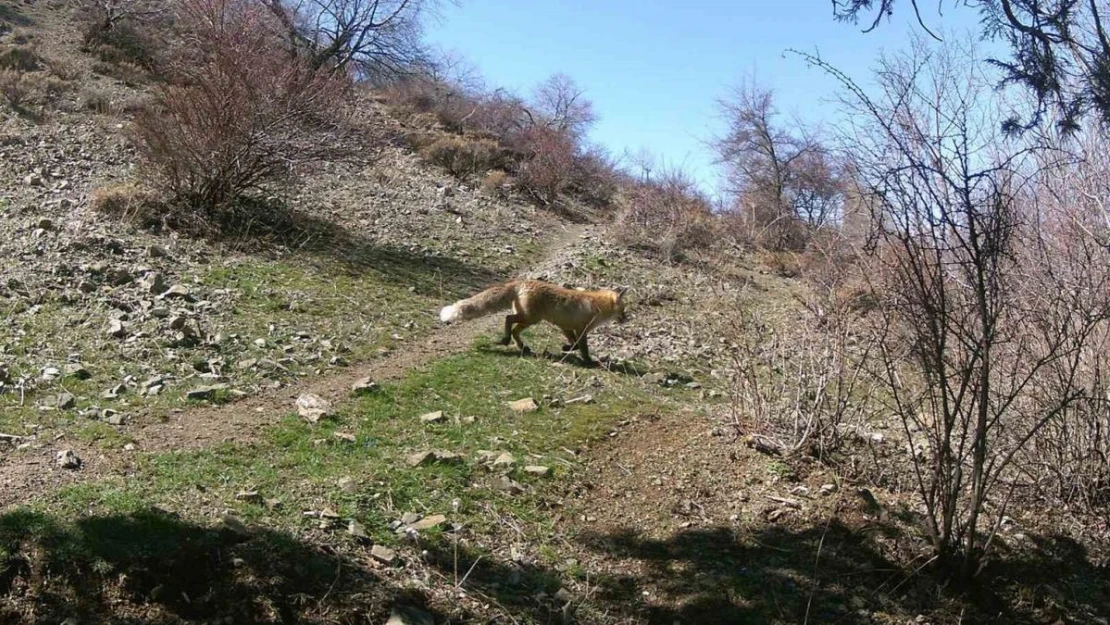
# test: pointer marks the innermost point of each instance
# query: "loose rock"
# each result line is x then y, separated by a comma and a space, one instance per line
385, 555
433, 417
312, 408
524, 406
365, 386
68, 459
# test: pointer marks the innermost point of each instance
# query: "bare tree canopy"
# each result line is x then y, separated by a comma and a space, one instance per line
374, 38
780, 174
560, 105
1060, 50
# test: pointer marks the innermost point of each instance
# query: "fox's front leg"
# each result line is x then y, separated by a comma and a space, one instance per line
584, 350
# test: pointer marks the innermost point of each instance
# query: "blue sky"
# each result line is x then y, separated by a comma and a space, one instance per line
654, 70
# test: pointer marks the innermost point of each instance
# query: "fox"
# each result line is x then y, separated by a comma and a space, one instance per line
576, 312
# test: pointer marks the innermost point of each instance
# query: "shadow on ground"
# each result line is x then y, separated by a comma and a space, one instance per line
151, 567
719, 575
571, 358
256, 227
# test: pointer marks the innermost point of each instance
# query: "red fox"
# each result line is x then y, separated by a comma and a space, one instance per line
575, 312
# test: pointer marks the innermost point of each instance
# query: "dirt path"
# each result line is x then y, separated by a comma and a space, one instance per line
23, 475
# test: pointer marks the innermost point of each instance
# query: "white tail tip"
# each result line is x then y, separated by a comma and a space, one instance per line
449, 314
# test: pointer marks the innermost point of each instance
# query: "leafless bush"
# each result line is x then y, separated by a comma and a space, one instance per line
378, 40
558, 104
541, 139
124, 31
15, 87
595, 177
1069, 460
24, 89
667, 215
803, 388
548, 165
463, 156
241, 112
128, 202
20, 58
980, 341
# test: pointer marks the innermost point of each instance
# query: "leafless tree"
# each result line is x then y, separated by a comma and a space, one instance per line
559, 104
377, 39
977, 356
782, 178
112, 12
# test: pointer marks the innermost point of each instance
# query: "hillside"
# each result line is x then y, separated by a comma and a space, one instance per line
156, 469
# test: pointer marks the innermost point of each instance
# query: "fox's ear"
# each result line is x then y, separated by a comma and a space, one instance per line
621, 291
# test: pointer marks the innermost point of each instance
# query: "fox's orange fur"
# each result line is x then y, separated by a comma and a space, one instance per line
532, 301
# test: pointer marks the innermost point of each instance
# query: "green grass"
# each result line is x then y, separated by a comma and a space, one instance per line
301, 464
162, 518
306, 312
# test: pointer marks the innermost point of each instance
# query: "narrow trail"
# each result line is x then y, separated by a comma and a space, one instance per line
25, 475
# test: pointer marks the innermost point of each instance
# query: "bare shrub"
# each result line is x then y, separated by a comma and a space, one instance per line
541, 140
1069, 460
15, 88
463, 157
128, 202
548, 165
801, 388
558, 104
22, 90
376, 39
667, 215
980, 341
242, 113
64, 71
123, 43
124, 31
594, 178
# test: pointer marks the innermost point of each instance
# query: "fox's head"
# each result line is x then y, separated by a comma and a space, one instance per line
618, 306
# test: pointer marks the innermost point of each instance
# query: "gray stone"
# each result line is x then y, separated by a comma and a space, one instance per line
205, 392
312, 408
429, 522
354, 528
77, 371
65, 401
537, 470
68, 459
383, 554
365, 386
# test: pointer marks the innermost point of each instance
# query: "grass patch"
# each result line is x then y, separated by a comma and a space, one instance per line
272, 322
301, 465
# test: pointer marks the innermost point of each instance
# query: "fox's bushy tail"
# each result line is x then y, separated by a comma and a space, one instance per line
487, 302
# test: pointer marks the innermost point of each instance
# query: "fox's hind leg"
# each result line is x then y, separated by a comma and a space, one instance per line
521, 325
509, 321
572, 339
